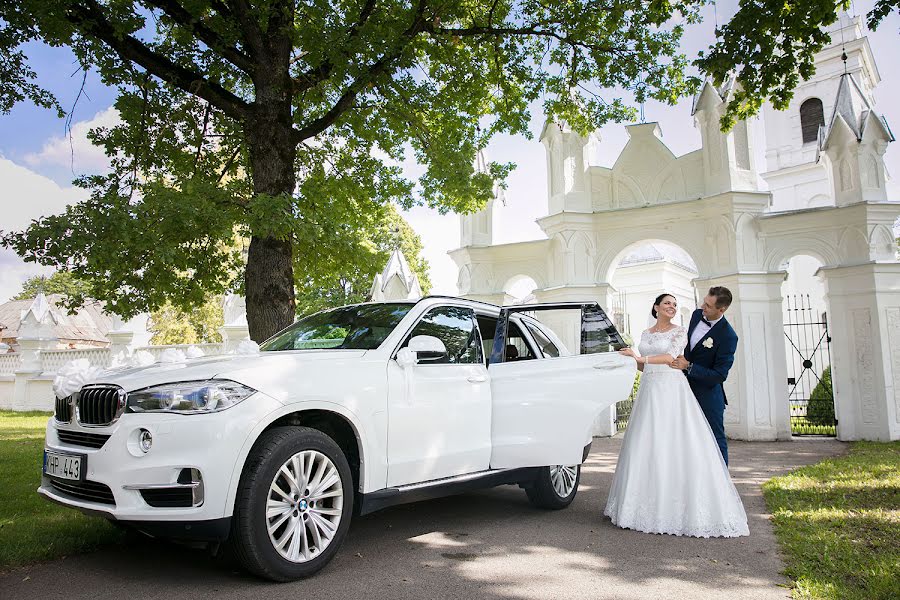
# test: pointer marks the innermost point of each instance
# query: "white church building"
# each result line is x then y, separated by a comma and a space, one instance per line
826, 221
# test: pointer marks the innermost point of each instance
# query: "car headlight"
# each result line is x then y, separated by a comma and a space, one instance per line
189, 397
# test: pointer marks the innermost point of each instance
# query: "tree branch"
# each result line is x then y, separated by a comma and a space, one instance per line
533, 30
320, 124
206, 35
88, 16
318, 74
252, 32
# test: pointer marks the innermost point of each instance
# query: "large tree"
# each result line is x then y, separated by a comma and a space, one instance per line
288, 120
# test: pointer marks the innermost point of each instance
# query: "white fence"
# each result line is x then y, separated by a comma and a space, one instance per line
53, 360
9, 363
208, 349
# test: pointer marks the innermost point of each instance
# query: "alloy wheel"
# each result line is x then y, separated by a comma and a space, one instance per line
304, 506
564, 479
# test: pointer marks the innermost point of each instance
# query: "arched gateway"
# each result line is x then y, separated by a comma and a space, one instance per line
827, 200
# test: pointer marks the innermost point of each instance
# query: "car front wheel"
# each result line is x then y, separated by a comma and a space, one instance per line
294, 504
555, 487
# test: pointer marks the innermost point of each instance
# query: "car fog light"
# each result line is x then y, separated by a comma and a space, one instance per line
145, 440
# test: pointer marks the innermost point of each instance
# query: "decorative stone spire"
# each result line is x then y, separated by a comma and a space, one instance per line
36, 333
727, 157
854, 141
477, 229
38, 310
569, 187
397, 282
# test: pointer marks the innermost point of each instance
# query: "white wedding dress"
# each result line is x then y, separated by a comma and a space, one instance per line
671, 477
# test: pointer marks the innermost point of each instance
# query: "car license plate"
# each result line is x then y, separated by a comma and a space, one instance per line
64, 466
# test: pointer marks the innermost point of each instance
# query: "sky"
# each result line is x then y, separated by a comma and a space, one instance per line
39, 159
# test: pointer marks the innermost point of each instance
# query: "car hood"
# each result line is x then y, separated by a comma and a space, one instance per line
246, 369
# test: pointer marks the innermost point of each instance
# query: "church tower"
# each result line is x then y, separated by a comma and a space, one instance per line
797, 176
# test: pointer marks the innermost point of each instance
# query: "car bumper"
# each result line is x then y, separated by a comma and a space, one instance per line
125, 484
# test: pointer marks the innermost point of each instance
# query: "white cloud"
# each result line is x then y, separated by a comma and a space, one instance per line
13, 273
26, 196
75, 151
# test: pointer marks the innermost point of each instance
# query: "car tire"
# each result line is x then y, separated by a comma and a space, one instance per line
303, 472
555, 487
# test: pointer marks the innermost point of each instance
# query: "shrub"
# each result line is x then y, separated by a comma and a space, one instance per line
820, 409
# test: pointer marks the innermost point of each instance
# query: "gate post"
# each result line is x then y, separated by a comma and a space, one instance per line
756, 388
864, 307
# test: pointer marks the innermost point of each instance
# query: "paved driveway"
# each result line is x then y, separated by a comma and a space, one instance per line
486, 545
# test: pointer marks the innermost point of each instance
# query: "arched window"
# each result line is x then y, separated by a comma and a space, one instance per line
811, 116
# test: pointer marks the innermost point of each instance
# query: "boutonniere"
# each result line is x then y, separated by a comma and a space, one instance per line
708, 343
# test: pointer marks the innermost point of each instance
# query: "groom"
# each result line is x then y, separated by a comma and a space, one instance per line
708, 358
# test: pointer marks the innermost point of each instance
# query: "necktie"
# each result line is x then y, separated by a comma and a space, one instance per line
703, 319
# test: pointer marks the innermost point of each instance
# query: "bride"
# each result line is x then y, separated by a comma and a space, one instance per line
671, 477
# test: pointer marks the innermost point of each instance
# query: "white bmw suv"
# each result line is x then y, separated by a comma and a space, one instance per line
347, 410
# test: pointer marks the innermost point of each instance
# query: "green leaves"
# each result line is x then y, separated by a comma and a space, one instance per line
60, 282
171, 244
770, 45
345, 272
881, 9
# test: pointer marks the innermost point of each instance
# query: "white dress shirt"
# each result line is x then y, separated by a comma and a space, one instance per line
701, 330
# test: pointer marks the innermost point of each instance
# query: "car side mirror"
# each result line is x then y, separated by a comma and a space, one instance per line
421, 347
427, 344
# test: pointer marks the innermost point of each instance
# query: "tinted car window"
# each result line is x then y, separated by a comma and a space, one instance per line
359, 327
547, 347
598, 332
455, 327
488, 326
517, 347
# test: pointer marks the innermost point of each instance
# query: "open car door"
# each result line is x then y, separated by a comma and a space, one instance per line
543, 410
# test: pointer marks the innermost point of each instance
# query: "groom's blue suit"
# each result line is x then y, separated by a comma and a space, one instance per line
710, 363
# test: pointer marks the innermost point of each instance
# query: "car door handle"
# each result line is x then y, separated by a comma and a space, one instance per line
606, 367
477, 379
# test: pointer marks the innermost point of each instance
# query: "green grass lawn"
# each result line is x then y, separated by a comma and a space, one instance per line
31, 528
838, 524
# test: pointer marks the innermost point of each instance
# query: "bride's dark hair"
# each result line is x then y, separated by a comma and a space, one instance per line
658, 300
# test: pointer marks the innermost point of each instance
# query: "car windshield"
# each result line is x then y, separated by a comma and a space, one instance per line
359, 327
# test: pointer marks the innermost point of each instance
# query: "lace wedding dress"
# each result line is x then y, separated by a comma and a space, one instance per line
671, 477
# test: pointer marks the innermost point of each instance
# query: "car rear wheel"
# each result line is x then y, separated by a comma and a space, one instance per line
294, 504
555, 487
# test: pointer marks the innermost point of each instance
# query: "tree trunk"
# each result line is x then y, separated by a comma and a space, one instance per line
269, 282
269, 275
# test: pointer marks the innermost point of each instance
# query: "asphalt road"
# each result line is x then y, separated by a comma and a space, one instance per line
486, 545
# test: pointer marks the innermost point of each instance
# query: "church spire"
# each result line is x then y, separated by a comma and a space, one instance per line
397, 282
854, 141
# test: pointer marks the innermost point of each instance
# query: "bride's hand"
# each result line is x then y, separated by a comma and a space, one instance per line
627, 352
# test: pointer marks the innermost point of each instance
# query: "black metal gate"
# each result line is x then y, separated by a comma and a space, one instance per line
810, 391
